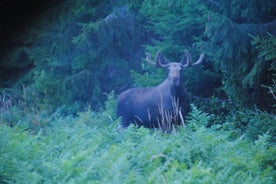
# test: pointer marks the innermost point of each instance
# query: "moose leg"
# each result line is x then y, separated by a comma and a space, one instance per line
125, 122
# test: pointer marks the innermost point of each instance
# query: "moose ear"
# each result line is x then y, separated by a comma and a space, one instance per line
161, 60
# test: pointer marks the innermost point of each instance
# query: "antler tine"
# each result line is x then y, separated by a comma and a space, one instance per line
189, 60
148, 58
158, 60
161, 61
200, 59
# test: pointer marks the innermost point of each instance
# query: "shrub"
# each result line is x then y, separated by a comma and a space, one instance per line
87, 148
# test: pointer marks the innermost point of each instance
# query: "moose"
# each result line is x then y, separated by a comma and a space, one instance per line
162, 106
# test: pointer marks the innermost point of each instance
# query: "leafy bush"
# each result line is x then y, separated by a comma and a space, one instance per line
252, 124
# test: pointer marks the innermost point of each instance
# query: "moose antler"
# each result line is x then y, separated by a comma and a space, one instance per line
189, 60
148, 58
160, 60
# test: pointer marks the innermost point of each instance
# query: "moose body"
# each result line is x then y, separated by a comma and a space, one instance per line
162, 106
146, 106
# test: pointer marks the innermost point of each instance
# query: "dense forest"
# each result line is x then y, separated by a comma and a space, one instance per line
62, 71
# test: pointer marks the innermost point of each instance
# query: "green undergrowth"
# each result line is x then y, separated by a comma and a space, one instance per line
90, 148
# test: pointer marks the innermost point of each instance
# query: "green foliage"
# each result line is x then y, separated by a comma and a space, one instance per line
172, 23
175, 26
252, 124
82, 53
78, 51
89, 149
233, 68
243, 11
150, 77
266, 47
228, 42
198, 119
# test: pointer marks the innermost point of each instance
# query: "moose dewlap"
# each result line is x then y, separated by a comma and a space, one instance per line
162, 106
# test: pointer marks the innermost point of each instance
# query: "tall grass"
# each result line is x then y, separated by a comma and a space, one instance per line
170, 120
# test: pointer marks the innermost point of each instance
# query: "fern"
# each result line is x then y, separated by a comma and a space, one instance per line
81, 150
197, 118
266, 46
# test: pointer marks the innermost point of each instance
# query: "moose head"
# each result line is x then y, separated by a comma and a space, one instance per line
173, 68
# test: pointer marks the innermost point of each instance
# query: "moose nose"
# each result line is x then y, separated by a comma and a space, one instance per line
175, 81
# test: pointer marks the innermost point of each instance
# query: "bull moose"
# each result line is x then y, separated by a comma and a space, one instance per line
162, 106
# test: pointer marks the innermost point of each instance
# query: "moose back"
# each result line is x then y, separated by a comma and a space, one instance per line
162, 106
